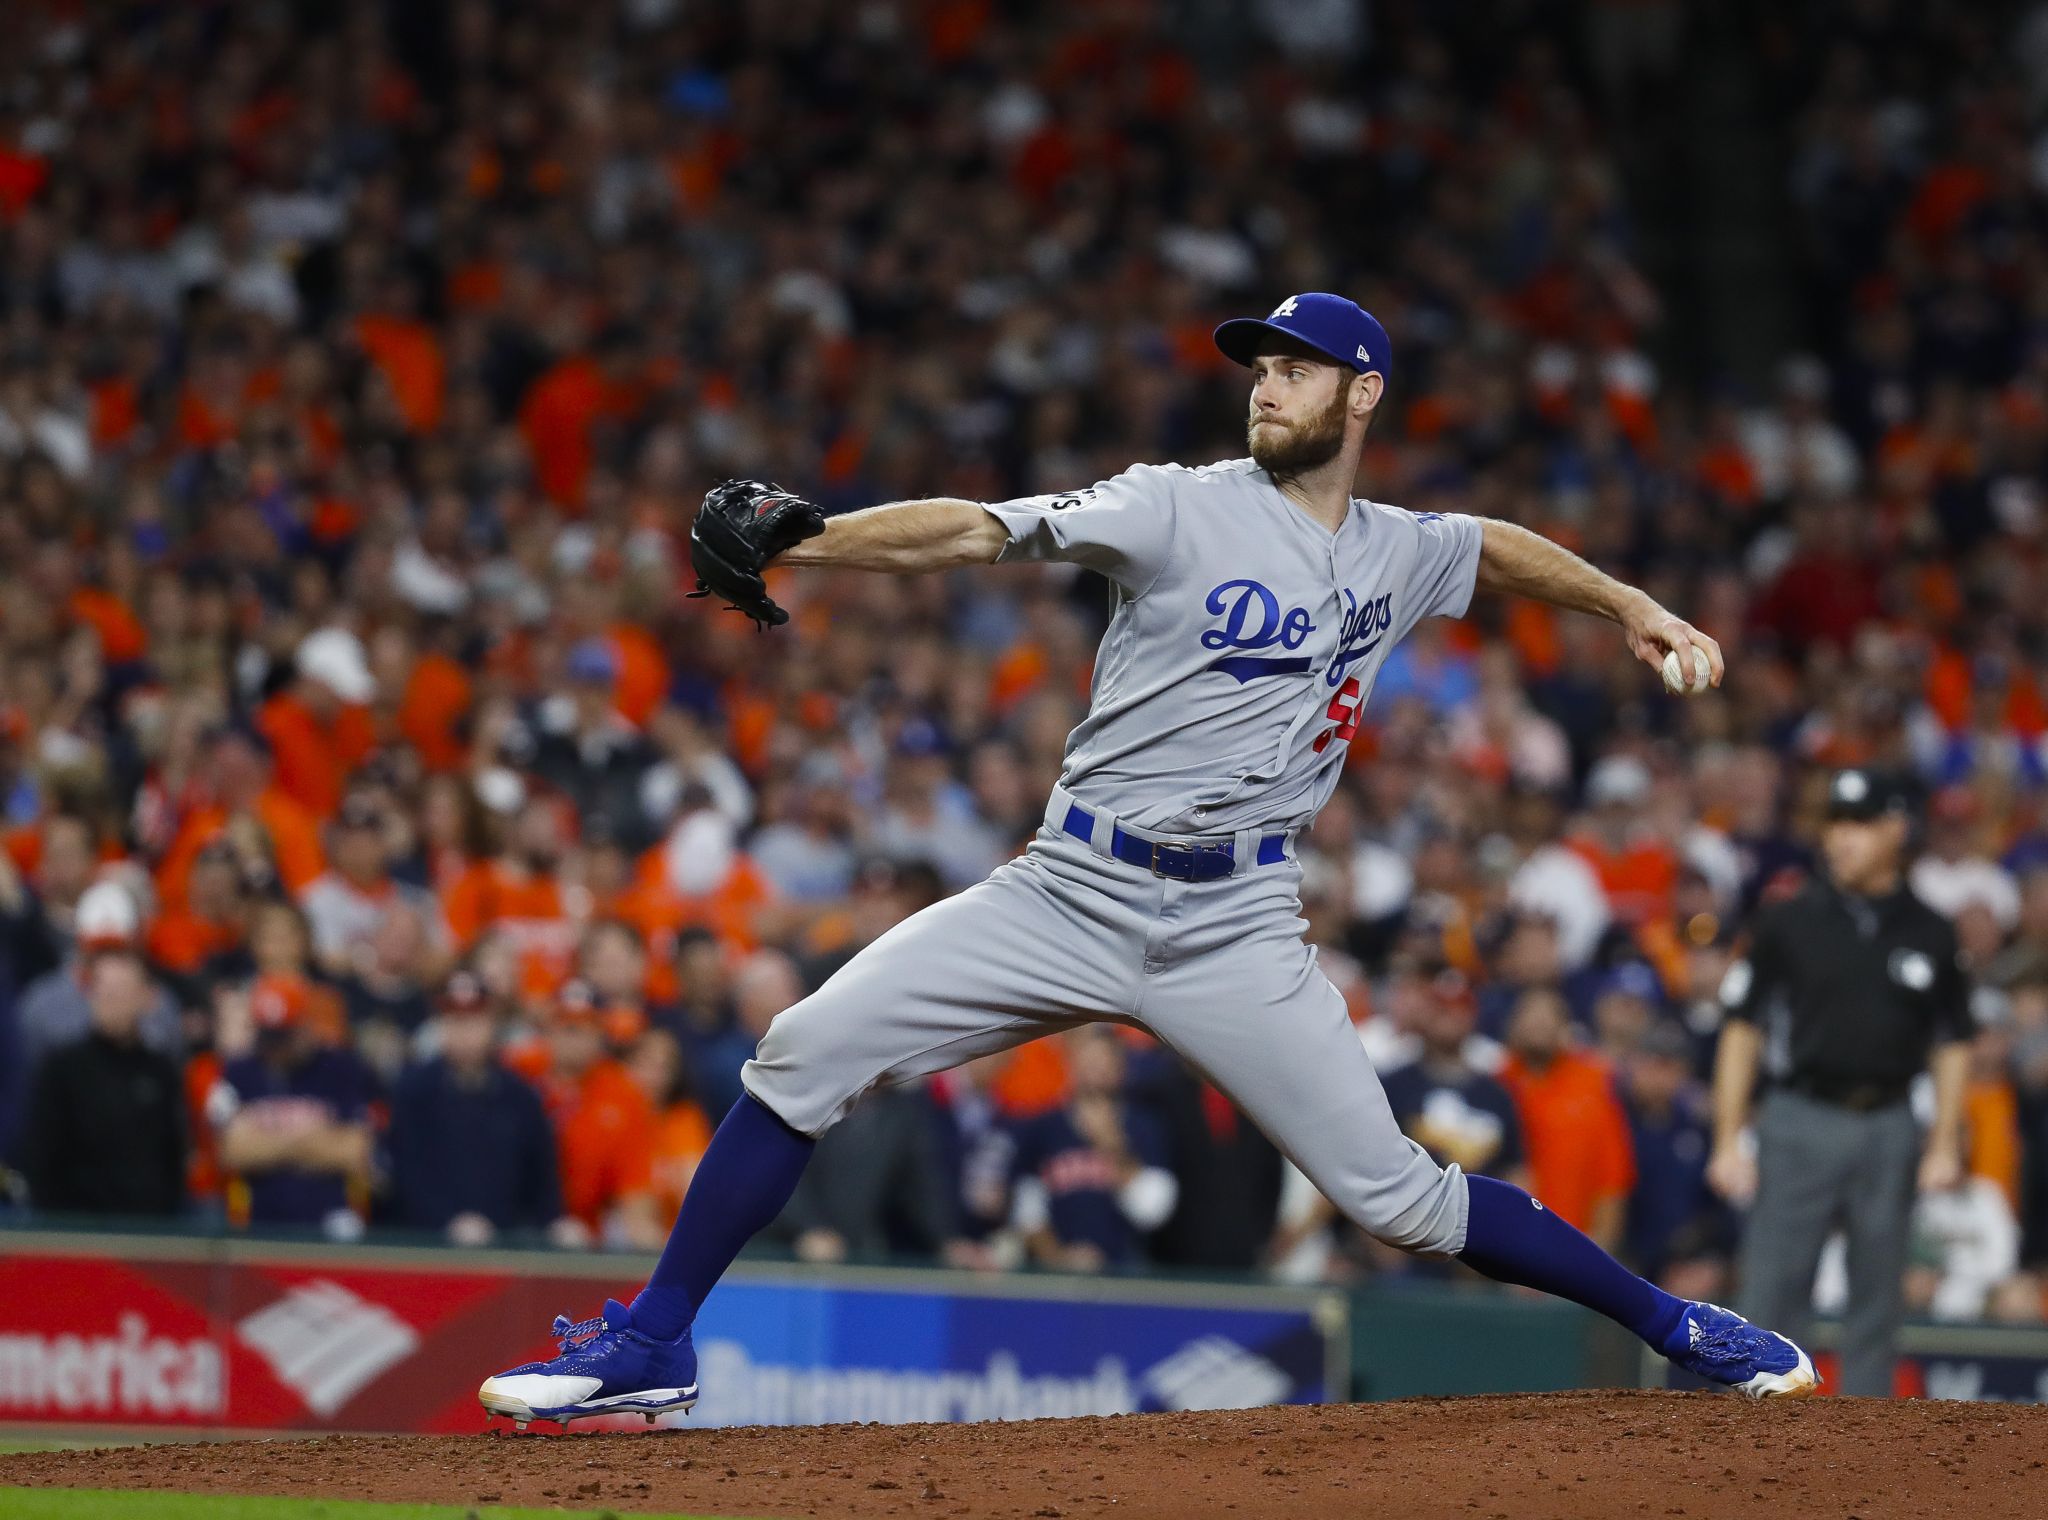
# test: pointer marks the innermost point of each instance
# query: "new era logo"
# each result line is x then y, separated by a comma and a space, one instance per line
1363, 356
325, 1343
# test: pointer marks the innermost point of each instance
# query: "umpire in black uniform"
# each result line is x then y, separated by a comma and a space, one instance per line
1849, 990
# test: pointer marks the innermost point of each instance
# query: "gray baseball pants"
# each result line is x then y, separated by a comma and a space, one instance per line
1216, 970
1819, 1166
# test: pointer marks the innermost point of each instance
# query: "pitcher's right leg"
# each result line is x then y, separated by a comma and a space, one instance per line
1052, 937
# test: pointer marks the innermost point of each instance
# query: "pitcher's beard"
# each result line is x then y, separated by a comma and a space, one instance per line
1283, 451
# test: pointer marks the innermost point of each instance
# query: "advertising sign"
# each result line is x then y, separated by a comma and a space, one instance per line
125, 1331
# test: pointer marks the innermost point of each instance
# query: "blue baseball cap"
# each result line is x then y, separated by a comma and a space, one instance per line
592, 660
1338, 329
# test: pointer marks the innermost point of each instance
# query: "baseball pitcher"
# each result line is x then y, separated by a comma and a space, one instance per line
1254, 603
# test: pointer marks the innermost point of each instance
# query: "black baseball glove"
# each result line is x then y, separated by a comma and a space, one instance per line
741, 526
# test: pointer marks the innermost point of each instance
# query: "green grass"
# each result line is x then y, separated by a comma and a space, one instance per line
109, 1504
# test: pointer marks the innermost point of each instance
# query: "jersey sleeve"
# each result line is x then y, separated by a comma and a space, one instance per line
1446, 564
1121, 527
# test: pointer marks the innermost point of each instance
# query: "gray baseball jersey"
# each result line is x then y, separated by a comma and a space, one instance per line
1244, 640
1242, 645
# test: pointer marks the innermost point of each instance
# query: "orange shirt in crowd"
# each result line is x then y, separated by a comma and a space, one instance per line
1991, 1119
409, 356
556, 418
294, 836
643, 673
681, 1135
1033, 1080
312, 759
531, 910
605, 1132
180, 940
22, 177
430, 714
1638, 880
122, 637
1576, 1134
728, 910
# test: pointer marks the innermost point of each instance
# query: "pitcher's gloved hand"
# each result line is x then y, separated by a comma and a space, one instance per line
742, 525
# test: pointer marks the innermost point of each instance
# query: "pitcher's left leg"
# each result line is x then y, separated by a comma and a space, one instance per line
1261, 1021
1251, 1010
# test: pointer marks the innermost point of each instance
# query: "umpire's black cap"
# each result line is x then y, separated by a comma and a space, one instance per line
1860, 794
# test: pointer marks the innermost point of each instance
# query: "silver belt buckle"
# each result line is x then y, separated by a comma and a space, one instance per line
1193, 852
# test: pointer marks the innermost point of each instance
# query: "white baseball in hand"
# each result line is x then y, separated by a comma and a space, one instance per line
1674, 673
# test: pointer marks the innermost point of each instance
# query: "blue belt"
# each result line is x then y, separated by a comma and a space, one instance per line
1181, 862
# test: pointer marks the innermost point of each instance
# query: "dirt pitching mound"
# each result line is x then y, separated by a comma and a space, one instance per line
1574, 1456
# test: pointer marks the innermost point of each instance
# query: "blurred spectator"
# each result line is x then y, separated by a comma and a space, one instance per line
612, 960
319, 726
880, 1192
589, 751
1952, 875
764, 984
1966, 1245
1628, 1003
689, 763
1637, 869
1092, 1177
235, 795
1580, 1160
1457, 1112
682, 1130
1229, 1174
1392, 1031
37, 913
55, 1010
472, 1153
347, 905
1678, 1234
929, 816
518, 893
293, 1118
805, 845
977, 1146
106, 1124
702, 1012
384, 993
885, 892
604, 1125
213, 922
280, 945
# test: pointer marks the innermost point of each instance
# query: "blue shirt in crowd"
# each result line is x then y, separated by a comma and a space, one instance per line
332, 1083
477, 1144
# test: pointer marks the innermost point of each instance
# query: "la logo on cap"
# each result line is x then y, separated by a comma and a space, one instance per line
1284, 309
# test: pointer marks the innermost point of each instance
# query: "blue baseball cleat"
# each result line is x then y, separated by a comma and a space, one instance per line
1721, 1346
605, 1367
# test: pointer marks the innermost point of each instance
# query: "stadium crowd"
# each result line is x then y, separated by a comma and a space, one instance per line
390, 842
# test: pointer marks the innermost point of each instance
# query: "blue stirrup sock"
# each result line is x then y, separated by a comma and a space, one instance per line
748, 1172
1512, 1238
